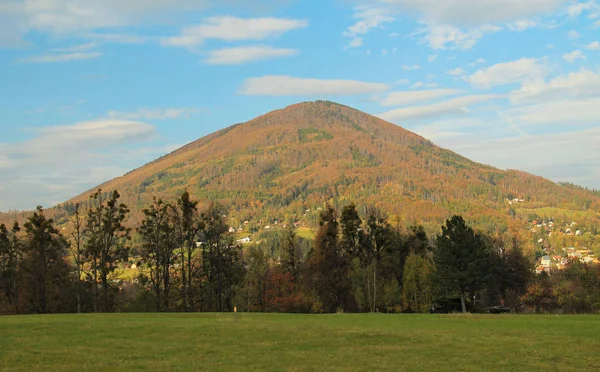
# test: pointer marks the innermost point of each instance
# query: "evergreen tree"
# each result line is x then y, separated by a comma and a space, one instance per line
462, 261
44, 270
329, 266
11, 251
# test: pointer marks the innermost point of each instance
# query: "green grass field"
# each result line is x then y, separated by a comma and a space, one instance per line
285, 342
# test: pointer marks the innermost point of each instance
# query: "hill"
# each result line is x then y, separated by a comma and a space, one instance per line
285, 165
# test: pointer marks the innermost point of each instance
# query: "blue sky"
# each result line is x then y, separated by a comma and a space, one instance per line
90, 89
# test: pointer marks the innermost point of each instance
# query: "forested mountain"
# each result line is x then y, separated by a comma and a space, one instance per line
285, 165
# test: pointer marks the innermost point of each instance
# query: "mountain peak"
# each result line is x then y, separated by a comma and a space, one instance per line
288, 160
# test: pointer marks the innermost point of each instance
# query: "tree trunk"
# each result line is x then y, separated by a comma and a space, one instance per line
183, 280
462, 303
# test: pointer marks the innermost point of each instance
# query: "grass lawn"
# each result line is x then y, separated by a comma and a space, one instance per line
286, 342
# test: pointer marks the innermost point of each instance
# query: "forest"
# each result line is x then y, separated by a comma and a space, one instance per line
183, 258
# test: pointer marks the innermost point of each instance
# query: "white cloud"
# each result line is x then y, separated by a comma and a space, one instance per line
55, 58
439, 36
456, 106
403, 81
548, 155
577, 9
63, 17
117, 38
155, 113
573, 34
233, 29
595, 45
411, 97
574, 56
76, 48
522, 25
575, 85
368, 19
293, 86
472, 13
478, 61
412, 67
457, 72
432, 57
241, 55
570, 112
524, 69
61, 161
597, 24
420, 84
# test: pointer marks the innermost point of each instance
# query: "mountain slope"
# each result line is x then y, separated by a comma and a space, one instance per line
286, 164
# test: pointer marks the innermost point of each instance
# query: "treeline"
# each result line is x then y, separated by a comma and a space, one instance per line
187, 259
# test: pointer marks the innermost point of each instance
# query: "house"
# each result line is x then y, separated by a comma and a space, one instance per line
578, 233
231, 230
244, 240
546, 262
539, 269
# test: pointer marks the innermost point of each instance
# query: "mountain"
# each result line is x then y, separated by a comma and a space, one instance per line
285, 165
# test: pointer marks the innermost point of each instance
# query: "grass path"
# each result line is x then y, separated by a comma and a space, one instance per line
285, 342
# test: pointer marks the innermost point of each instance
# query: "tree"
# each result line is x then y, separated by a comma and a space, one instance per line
291, 254
416, 283
158, 235
76, 248
375, 246
461, 261
188, 227
107, 235
351, 231
328, 264
221, 259
44, 269
11, 251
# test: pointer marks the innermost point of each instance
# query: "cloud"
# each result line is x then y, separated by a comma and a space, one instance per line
55, 58
574, 56
440, 36
293, 86
575, 85
577, 9
155, 114
569, 112
548, 155
409, 68
524, 69
597, 24
420, 84
595, 45
455, 106
241, 55
410, 97
522, 25
64, 17
117, 38
457, 72
474, 13
233, 29
368, 19
59, 162
573, 34
478, 61
76, 48
432, 57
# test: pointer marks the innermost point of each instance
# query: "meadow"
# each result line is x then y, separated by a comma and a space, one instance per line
288, 342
